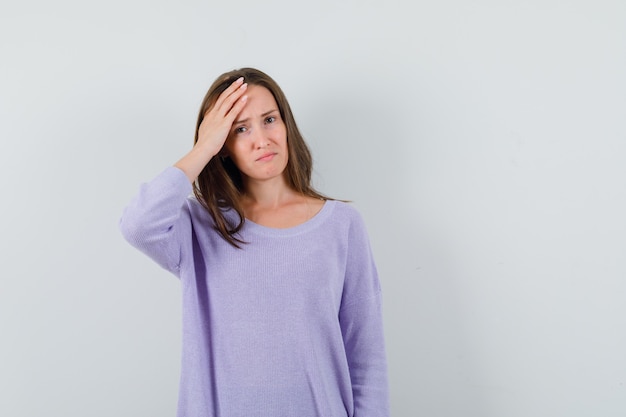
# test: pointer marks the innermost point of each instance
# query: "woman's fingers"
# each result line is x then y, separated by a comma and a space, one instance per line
227, 106
238, 105
228, 97
233, 99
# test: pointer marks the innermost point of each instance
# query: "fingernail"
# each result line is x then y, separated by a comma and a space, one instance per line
240, 79
242, 86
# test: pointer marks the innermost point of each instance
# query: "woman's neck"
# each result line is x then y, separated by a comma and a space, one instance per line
268, 194
274, 204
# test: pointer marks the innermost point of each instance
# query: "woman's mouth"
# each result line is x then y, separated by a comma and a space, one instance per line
266, 157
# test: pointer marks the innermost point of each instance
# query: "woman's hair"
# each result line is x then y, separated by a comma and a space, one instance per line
219, 186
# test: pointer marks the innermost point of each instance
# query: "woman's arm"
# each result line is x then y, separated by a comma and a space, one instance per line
361, 323
156, 221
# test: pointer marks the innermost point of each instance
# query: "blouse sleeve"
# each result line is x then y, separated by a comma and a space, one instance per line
157, 222
361, 323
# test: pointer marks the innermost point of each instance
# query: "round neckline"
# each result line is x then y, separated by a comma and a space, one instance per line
316, 220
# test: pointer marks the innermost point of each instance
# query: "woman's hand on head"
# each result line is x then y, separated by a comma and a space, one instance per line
218, 120
214, 129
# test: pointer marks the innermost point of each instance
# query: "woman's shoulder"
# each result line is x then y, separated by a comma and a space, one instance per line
344, 206
344, 211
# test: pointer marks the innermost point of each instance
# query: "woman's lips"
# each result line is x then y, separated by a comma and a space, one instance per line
266, 157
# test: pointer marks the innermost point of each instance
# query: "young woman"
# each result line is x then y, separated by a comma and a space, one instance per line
281, 299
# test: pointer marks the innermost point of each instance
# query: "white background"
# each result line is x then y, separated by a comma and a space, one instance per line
484, 142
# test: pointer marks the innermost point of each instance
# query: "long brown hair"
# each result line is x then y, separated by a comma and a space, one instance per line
219, 186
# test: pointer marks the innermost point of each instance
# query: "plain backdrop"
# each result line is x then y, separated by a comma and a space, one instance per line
484, 142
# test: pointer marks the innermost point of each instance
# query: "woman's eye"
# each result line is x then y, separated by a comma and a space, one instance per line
270, 119
240, 129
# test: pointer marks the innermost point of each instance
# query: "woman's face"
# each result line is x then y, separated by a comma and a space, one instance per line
257, 142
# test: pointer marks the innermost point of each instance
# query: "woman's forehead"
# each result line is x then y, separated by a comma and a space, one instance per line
260, 101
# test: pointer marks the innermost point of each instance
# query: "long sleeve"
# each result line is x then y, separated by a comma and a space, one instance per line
362, 327
156, 221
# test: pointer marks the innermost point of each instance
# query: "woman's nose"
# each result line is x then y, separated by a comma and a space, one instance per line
258, 138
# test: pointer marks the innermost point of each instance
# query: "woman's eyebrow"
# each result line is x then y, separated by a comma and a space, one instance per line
247, 118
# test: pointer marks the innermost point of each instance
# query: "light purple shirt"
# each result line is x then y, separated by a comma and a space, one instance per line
288, 326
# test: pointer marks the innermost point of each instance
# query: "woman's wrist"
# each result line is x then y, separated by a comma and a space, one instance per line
195, 160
